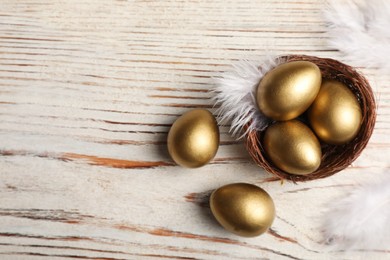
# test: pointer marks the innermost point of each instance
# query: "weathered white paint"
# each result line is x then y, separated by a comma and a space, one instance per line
88, 90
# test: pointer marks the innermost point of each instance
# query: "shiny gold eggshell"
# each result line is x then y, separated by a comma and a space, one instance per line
335, 115
193, 138
292, 147
243, 209
288, 90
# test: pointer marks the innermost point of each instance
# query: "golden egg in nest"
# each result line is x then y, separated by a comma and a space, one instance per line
292, 147
335, 114
288, 90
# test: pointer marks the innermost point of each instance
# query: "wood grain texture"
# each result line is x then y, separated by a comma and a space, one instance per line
88, 91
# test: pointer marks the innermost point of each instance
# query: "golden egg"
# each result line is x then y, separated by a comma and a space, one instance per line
335, 115
243, 209
288, 90
292, 147
193, 138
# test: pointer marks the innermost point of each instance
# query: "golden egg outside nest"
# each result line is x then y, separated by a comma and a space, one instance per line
243, 209
193, 139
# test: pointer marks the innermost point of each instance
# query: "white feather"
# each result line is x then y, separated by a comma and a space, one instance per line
235, 93
360, 220
361, 30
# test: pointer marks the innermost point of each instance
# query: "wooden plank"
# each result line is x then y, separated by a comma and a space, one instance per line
88, 91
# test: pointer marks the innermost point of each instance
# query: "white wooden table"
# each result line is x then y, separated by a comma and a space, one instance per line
88, 91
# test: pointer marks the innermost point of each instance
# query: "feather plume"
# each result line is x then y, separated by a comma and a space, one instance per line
361, 30
235, 93
360, 220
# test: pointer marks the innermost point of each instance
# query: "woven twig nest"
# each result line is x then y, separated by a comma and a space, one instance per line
334, 157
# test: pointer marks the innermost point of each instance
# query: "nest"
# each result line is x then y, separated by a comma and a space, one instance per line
334, 157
